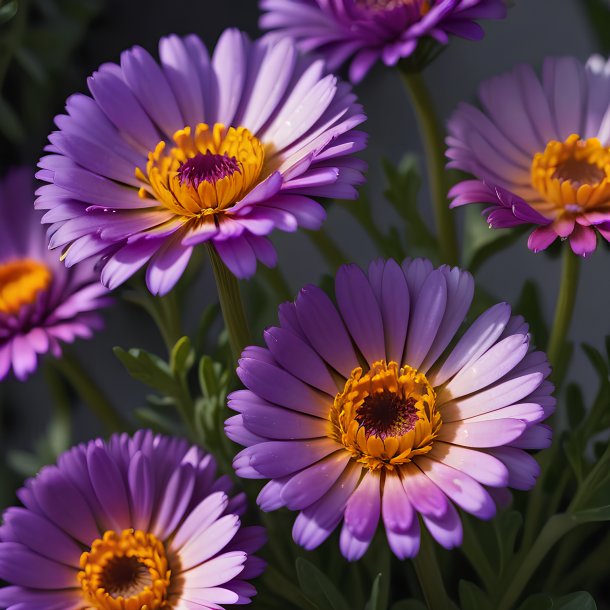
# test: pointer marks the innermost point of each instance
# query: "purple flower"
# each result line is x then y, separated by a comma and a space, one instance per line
139, 522
41, 302
363, 32
378, 408
197, 149
540, 152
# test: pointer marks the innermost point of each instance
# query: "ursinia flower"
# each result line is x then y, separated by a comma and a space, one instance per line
41, 302
362, 32
373, 408
221, 149
540, 152
135, 522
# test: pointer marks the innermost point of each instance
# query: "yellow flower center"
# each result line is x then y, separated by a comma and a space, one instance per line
386, 416
573, 175
206, 172
20, 283
126, 571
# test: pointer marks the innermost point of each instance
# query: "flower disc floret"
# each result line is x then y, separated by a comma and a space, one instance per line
386, 416
205, 172
21, 281
126, 571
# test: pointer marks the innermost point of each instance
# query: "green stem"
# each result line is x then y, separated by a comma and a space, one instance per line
432, 137
90, 393
555, 528
429, 575
231, 305
565, 305
331, 253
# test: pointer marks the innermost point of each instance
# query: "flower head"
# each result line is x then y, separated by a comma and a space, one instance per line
41, 302
363, 32
135, 522
195, 149
375, 409
540, 152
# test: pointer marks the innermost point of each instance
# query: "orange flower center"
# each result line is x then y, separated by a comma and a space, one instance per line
207, 171
21, 281
573, 175
126, 571
386, 416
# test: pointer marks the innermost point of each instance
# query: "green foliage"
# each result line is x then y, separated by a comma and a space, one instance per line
472, 597
575, 601
318, 588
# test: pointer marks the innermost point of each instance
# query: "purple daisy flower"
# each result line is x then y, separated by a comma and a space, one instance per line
131, 523
363, 32
41, 302
374, 408
197, 149
540, 152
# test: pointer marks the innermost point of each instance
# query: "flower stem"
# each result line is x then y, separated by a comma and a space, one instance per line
429, 575
432, 137
555, 528
231, 305
564, 307
90, 393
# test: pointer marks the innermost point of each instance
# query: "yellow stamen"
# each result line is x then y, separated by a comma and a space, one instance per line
126, 571
385, 417
573, 175
194, 199
21, 281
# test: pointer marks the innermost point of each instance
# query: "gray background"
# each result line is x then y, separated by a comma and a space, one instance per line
533, 30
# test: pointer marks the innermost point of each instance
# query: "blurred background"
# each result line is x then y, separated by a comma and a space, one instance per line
48, 47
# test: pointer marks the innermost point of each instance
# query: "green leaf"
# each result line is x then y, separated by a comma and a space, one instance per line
575, 404
318, 588
409, 604
592, 515
375, 602
508, 526
540, 601
8, 9
404, 183
182, 357
599, 17
472, 597
157, 421
529, 305
598, 362
580, 600
148, 369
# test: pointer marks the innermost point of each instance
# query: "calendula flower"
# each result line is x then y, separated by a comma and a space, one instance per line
362, 32
42, 304
378, 408
131, 523
540, 152
197, 149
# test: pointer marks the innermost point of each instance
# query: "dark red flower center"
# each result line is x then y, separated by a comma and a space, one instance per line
208, 167
386, 414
